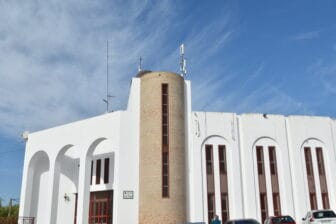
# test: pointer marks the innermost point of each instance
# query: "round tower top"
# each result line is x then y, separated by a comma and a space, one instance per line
145, 72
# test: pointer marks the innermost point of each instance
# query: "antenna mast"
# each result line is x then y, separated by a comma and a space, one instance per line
107, 76
140, 64
183, 62
108, 96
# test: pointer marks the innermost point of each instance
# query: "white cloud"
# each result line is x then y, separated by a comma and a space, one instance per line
324, 74
306, 35
53, 57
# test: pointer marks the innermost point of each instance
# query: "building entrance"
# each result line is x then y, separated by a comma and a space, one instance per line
101, 207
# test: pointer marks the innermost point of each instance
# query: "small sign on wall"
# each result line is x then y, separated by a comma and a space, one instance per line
128, 194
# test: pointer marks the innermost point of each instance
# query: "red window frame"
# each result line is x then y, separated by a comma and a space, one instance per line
101, 207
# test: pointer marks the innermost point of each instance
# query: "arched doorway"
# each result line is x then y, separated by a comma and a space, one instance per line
65, 184
95, 196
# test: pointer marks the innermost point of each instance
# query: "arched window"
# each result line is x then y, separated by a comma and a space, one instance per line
216, 169
316, 178
267, 172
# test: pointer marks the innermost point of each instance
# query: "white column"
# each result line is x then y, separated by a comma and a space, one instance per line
50, 192
243, 172
94, 166
83, 191
102, 170
269, 190
54, 182
26, 188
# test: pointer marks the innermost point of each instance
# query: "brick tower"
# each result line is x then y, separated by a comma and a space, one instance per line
162, 193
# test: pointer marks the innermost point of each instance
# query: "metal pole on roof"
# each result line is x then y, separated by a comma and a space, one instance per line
108, 96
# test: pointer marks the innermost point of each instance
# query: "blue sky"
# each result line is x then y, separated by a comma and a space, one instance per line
243, 56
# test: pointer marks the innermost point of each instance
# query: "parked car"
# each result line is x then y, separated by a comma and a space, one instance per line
285, 219
242, 221
319, 216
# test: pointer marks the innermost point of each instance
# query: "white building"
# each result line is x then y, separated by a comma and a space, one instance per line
160, 162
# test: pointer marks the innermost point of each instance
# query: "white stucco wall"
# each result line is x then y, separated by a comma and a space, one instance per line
55, 142
241, 134
305, 130
128, 158
269, 131
216, 128
67, 152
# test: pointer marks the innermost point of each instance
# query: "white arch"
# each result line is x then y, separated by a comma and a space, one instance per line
263, 138
94, 145
37, 176
265, 142
313, 143
84, 182
65, 169
307, 142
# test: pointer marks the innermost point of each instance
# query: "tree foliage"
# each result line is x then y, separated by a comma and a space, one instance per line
14, 211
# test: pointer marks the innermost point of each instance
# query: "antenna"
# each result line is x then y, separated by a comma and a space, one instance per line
108, 96
140, 64
183, 62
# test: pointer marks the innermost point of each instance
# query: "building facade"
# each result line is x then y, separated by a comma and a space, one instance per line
160, 162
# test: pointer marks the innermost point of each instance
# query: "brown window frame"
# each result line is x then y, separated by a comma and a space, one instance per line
106, 170
165, 139
320, 161
260, 160
165, 174
323, 178
210, 178
98, 171
263, 206
313, 200
209, 160
273, 160
276, 203
274, 180
310, 177
211, 212
222, 160
226, 210
325, 200
262, 179
91, 172
309, 161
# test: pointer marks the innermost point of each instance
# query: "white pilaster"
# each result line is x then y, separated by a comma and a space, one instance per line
83, 191
25, 189
269, 189
50, 193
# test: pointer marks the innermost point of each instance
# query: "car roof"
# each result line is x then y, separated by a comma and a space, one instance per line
236, 220
280, 216
322, 210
